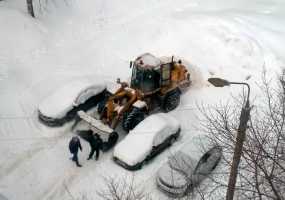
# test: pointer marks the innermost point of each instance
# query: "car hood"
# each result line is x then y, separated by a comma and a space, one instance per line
171, 178
72, 94
134, 148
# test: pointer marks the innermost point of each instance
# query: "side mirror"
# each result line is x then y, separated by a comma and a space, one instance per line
118, 80
131, 64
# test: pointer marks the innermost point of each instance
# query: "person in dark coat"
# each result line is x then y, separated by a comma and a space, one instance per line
95, 144
74, 145
112, 140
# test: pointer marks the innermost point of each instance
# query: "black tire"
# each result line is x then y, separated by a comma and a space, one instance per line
131, 119
102, 103
101, 106
171, 101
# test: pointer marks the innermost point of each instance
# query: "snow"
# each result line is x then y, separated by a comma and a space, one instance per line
147, 60
140, 104
113, 87
95, 38
72, 94
152, 131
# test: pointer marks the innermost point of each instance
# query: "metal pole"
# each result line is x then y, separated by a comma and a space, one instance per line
244, 117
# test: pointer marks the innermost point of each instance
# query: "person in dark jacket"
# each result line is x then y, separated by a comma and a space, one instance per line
74, 145
112, 140
95, 144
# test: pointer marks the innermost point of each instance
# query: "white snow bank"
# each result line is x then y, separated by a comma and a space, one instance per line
72, 94
150, 132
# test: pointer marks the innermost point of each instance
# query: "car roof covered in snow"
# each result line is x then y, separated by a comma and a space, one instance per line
72, 94
139, 142
147, 61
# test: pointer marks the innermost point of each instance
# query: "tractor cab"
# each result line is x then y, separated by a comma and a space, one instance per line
149, 74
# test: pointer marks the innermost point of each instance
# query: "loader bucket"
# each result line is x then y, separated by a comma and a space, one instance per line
95, 123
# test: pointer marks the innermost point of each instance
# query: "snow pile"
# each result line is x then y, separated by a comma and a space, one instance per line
147, 60
73, 94
149, 133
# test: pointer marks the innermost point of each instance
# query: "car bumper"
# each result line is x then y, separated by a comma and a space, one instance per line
171, 191
126, 166
49, 121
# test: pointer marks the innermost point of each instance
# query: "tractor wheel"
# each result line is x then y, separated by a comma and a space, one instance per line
102, 103
131, 119
101, 106
171, 101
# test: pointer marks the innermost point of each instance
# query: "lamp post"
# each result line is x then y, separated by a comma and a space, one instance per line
244, 117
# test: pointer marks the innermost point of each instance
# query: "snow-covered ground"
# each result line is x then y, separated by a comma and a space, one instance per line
84, 38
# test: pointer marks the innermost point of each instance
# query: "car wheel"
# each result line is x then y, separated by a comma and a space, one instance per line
101, 105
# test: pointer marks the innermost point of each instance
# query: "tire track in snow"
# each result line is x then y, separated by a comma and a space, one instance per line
10, 166
44, 179
3, 68
7, 169
59, 187
244, 49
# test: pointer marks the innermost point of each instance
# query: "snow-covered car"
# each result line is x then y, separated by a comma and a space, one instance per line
183, 172
63, 104
146, 140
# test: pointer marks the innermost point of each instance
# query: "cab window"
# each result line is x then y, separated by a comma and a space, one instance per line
165, 74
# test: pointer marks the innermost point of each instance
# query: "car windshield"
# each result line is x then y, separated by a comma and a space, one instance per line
137, 77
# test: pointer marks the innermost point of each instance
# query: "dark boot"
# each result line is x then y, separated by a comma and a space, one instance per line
77, 164
97, 153
91, 154
75, 159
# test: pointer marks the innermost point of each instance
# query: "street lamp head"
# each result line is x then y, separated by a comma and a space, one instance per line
218, 82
